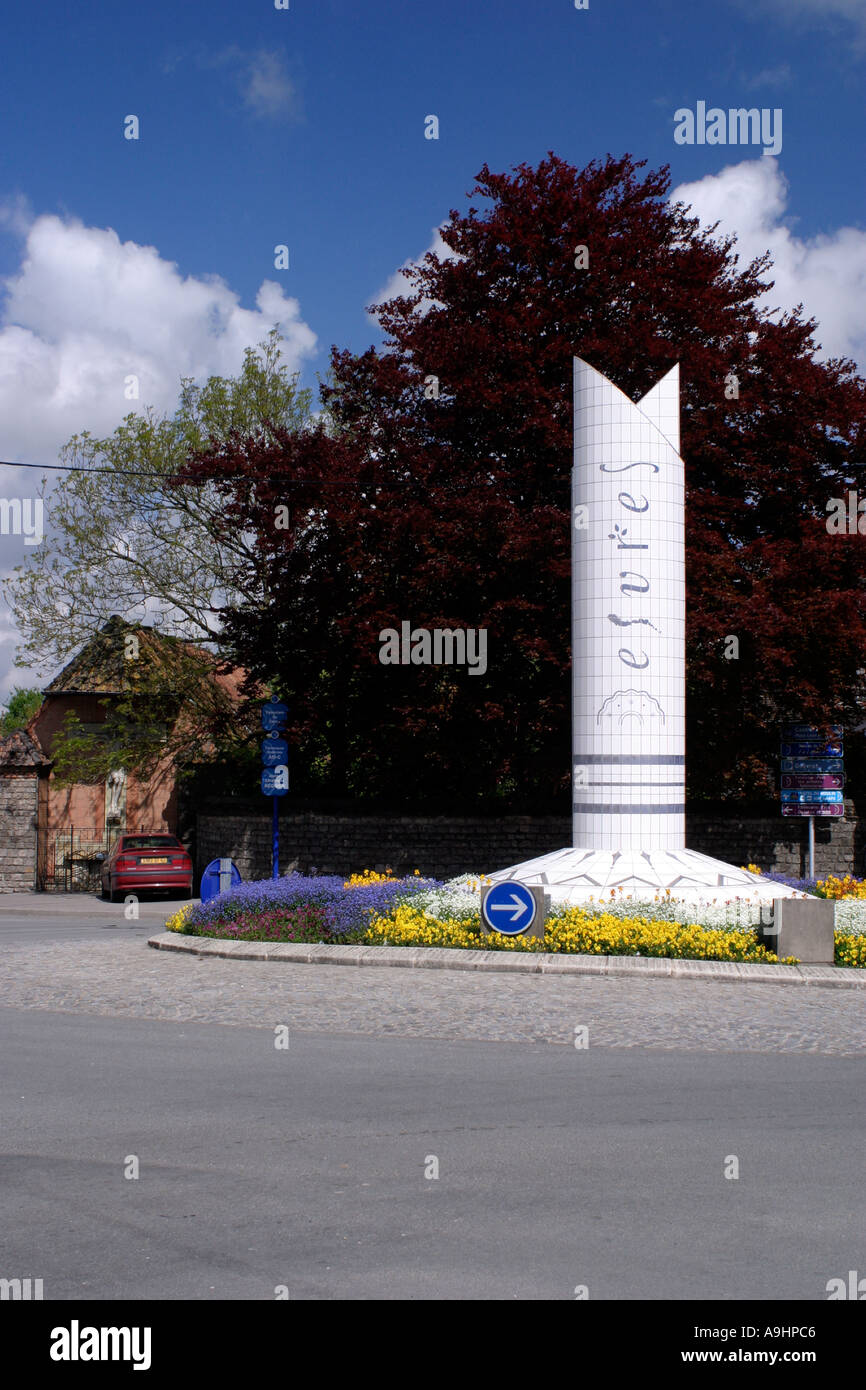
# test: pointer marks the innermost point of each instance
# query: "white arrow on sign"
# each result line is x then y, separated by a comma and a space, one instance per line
516, 911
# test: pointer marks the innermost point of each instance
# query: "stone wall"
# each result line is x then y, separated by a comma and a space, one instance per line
781, 843
18, 794
444, 846
437, 845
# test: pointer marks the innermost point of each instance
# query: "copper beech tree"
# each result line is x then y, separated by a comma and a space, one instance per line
443, 500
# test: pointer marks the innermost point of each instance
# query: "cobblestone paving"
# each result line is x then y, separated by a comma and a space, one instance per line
129, 979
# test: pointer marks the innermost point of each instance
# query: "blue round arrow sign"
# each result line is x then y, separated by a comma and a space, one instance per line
509, 908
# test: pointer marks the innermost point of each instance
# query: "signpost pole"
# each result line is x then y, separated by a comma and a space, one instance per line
812, 776
275, 769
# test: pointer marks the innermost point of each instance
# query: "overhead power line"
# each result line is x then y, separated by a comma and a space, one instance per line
72, 468
284, 482
138, 473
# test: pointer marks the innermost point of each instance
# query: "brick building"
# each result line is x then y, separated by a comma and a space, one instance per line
24, 775
53, 836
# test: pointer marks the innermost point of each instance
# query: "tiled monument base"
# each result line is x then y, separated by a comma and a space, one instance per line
576, 875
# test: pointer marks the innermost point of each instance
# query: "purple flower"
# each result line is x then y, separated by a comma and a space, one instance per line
805, 885
311, 907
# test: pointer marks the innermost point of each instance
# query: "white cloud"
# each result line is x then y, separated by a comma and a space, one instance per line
848, 9
780, 76
834, 18
85, 311
259, 76
265, 85
826, 273
16, 214
398, 283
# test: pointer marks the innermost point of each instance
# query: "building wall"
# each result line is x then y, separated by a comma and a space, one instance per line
150, 804
52, 714
79, 805
18, 808
447, 846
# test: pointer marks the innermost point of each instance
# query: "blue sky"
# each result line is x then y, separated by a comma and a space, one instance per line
305, 126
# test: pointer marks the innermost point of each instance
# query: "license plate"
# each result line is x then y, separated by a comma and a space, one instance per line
145, 862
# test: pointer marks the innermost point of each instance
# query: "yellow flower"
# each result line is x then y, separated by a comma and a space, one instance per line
177, 920
369, 876
579, 930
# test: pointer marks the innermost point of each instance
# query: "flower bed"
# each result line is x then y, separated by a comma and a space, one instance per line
378, 909
845, 887
575, 931
851, 950
848, 893
296, 908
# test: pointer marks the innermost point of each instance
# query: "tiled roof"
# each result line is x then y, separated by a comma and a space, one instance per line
21, 749
100, 668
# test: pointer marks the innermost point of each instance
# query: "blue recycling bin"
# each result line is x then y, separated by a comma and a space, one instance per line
219, 876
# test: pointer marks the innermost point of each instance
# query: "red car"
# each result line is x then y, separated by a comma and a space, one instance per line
139, 862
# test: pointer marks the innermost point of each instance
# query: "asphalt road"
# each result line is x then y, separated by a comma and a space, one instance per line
43, 917
305, 1167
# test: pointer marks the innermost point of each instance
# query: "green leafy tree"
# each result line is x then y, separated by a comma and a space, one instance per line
125, 538
22, 705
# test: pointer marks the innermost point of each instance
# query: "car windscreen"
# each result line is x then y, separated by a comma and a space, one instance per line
151, 842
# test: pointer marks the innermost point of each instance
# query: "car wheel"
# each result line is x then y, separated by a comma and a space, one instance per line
112, 896
103, 893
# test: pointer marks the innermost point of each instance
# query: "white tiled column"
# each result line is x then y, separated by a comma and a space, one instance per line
628, 617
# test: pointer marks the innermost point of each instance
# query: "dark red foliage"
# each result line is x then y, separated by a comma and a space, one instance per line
454, 512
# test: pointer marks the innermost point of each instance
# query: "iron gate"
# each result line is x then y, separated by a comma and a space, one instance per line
68, 859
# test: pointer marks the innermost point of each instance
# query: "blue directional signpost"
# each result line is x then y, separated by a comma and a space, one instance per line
512, 909
274, 715
275, 768
812, 776
275, 751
